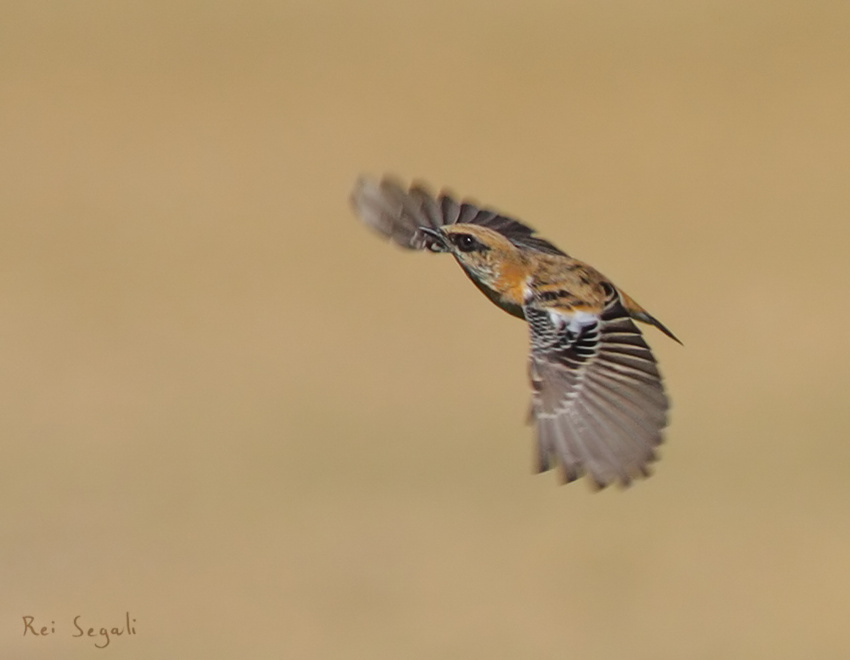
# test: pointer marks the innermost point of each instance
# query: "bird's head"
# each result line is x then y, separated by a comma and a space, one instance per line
481, 251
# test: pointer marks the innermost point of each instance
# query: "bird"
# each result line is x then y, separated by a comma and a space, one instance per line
598, 400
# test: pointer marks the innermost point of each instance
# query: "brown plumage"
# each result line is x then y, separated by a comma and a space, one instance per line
597, 396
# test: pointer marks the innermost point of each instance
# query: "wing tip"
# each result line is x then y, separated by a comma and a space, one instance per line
622, 476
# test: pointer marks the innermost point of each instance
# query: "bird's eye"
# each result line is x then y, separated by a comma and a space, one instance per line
466, 243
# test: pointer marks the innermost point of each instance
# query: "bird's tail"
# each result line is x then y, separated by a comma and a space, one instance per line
639, 313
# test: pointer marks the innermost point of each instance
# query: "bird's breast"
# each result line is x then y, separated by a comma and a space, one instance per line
502, 290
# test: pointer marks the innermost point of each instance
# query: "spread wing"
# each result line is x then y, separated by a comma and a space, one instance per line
397, 213
598, 398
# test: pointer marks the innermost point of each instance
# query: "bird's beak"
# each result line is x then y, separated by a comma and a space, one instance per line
435, 240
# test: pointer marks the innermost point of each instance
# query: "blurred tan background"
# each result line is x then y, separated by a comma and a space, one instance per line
232, 411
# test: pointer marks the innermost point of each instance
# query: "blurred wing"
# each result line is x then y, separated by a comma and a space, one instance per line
397, 213
598, 398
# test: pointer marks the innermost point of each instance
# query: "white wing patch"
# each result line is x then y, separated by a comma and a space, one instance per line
575, 322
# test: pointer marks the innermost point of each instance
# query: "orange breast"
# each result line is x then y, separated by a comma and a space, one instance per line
511, 282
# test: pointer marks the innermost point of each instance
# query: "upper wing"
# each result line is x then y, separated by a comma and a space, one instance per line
598, 398
397, 213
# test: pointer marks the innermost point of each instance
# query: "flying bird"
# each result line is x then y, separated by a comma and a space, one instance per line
598, 399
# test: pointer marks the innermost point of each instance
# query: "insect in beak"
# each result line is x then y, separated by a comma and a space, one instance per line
435, 240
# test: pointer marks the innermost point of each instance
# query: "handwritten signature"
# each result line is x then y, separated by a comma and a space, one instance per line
101, 636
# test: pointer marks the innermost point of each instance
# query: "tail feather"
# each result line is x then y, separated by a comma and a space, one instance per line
639, 313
